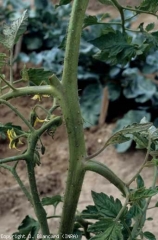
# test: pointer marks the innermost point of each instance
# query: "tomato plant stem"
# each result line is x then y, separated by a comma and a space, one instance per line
73, 119
38, 208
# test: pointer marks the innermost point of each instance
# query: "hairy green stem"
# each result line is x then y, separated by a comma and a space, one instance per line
15, 82
8, 84
73, 119
38, 208
139, 11
1, 87
31, 90
17, 113
120, 9
104, 171
17, 178
22, 186
6, 166
41, 107
53, 122
13, 159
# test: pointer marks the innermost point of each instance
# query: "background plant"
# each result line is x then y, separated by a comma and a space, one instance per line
114, 220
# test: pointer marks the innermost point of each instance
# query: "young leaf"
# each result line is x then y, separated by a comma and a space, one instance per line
149, 6
151, 38
156, 205
113, 232
150, 27
149, 236
115, 48
90, 20
36, 76
100, 226
140, 182
55, 200
140, 140
29, 226
93, 20
117, 138
120, 137
143, 193
91, 210
12, 32
135, 210
149, 219
105, 205
130, 117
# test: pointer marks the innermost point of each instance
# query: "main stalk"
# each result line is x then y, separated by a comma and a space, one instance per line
73, 119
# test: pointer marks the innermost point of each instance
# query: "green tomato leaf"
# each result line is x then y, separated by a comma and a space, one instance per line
100, 226
90, 20
106, 206
140, 140
12, 32
55, 200
129, 118
120, 136
91, 211
115, 48
36, 76
140, 181
151, 38
150, 27
156, 205
113, 232
149, 6
117, 139
143, 193
149, 236
29, 226
135, 210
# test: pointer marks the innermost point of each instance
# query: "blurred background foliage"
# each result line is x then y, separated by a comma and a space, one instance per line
132, 86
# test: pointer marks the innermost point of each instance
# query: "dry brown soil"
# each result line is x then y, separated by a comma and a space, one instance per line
51, 173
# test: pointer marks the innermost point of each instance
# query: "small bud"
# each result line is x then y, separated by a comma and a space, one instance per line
36, 158
43, 149
33, 117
